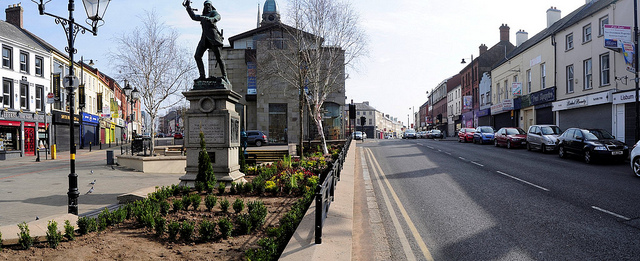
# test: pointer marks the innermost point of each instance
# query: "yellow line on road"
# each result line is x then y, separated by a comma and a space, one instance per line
412, 227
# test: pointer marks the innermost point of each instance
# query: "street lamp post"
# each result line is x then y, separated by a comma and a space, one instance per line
132, 96
95, 11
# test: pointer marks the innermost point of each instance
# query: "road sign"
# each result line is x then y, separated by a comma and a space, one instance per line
50, 98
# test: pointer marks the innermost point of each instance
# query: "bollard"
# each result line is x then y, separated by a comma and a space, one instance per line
109, 144
109, 157
121, 150
100, 145
53, 152
38, 157
89, 146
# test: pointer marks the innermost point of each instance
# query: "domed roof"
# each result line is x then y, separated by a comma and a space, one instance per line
270, 6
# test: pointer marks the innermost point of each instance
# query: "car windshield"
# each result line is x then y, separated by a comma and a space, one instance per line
435, 131
550, 130
598, 134
515, 131
410, 131
486, 130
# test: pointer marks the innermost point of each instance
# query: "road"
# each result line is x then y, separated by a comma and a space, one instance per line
444, 200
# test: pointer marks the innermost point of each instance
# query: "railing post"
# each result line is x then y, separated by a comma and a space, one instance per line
319, 210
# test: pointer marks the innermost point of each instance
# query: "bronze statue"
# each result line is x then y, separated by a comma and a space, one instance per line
211, 38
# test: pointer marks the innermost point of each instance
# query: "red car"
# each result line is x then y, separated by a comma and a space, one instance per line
466, 134
177, 135
510, 137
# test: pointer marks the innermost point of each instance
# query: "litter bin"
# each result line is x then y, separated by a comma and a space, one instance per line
136, 145
110, 157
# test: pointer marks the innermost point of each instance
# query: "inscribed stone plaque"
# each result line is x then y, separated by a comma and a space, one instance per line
235, 132
212, 127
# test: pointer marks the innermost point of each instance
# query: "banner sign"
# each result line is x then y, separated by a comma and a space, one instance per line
467, 102
516, 88
251, 78
616, 35
629, 54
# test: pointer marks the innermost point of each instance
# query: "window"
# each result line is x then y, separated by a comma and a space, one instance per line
604, 70
586, 33
604, 20
543, 76
506, 89
24, 62
7, 89
7, 57
39, 98
482, 99
528, 81
370, 122
570, 79
24, 96
499, 92
568, 42
39, 62
587, 74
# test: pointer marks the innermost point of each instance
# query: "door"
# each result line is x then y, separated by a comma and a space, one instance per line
29, 141
278, 123
618, 127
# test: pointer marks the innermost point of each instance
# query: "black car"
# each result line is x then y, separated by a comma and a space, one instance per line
256, 137
591, 144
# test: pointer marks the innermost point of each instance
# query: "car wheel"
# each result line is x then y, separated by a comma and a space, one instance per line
587, 157
528, 146
508, 144
258, 143
636, 166
459, 140
561, 152
543, 148
495, 143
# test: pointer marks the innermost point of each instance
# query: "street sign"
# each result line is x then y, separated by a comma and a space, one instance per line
50, 98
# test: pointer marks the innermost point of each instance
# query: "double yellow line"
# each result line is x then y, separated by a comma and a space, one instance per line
423, 247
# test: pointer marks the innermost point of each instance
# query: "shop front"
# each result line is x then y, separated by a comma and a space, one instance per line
587, 111
624, 111
484, 117
90, 129
536, 108
20, 133
504, 115
120, 130
62, 131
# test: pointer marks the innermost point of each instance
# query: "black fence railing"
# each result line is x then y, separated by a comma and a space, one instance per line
326, 190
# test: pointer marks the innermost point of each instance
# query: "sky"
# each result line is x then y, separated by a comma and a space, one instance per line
413, 44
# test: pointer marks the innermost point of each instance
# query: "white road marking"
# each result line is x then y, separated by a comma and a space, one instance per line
611, 213
476, 163
462, 158
523, 181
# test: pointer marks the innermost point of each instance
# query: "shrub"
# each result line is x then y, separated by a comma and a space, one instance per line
200, 186
248, 187
221, 188
210, 202
69, 232
187, 230
173, 228
225, 227
164, 208
53, 235
195, 201
160, 225
224, 205
268, 250
87, 225
205, 169
243, 224
207, 230
0, 241
186, 202
177, 205
238, 205
118, 216
103, 219
257, 213
24, 238
240, 188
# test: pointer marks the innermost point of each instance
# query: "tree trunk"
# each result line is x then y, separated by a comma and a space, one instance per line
301, 136
323, 140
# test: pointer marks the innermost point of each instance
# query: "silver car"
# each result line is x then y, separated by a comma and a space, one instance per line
543, 137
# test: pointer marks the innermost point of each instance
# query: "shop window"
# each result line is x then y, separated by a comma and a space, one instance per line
9, 139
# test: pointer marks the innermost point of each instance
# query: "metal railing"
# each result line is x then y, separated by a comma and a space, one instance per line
326, 190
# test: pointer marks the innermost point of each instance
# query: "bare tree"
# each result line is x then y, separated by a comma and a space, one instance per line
153, 61
323, 42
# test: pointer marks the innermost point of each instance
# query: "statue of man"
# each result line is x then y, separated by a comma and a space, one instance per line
211, 38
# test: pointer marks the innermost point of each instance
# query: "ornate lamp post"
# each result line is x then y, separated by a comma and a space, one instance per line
132, 96
95, 11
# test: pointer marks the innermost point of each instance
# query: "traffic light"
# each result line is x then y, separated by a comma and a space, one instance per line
363, 120
352, 111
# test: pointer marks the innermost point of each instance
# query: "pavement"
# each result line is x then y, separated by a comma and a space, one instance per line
344, 234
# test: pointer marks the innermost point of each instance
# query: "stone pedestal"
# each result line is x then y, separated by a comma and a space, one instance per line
212, 112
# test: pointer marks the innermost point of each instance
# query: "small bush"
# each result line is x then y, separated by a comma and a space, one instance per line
104, 219
224, 205
186, 202
164, 208
24, 238
200, 186
240, 188
87, 225
243, 224
69, 232
53, 235
225, 227
195, 201
160, 225
207, 230
148, 220
0, 240
221, 188
238, 205
248, 187
118, 216
210, 202
232, 189
177, 205
173, 228
187, 230
257, 213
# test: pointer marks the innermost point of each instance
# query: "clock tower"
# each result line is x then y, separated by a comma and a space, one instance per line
270, 13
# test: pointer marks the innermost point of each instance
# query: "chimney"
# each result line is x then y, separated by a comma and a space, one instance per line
521, 37
366, 102
14, 15
553, 15
504, 33
483, 49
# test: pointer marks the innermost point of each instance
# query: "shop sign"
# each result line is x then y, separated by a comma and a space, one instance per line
496, 109
624, 97
544, 96
599, 98
86, 117
507, 104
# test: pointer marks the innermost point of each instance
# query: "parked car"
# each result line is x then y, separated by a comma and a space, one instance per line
466, 134
543, 137
178, 135
358, 135
483, 134
256, 137
436, 134
510, 137
635, 159
591, 144
409, 134
422, 134
160, 135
